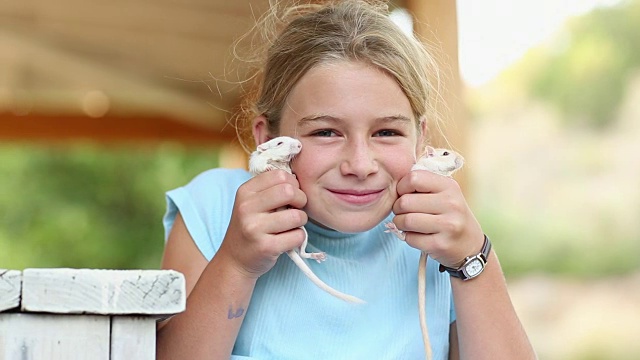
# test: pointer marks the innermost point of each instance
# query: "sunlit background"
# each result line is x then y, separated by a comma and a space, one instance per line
553, 90
552, 95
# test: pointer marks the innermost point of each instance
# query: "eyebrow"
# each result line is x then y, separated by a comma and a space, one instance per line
332, 119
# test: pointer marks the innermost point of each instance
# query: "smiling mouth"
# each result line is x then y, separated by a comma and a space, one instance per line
357, 197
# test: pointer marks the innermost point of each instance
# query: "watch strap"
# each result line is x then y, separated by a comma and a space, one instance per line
483, 256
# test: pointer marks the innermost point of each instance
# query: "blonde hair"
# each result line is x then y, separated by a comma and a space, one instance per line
305, 35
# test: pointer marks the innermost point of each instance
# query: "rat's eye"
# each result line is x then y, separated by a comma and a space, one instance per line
279, 143
446, 153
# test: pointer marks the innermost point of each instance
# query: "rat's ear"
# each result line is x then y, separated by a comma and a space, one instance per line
260, 129
429, 151
262, 147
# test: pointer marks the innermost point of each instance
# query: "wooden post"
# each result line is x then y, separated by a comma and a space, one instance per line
436, 23
53, 337
133, 337
85, 313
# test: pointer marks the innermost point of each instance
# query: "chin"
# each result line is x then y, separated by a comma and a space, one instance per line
350, 226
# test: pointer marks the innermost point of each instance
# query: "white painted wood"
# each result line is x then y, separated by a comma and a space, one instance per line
53, 337
133, 337
10, 283
114, 292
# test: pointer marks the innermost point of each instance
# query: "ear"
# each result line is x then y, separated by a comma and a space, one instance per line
430, 151
422, 136
260, 129
262, 147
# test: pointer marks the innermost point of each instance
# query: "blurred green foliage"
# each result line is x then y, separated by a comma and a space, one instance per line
585, 74
89, 205
538, 244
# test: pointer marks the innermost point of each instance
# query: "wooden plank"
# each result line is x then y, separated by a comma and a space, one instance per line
109, 129
216, 22
53, 337
168, 54
10, 283
31, 8
133, 337
115, 292
135, 92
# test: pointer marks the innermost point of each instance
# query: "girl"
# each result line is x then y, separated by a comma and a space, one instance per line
355, 90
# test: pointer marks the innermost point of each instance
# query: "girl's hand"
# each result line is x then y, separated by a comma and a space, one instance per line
259, 230
436, 218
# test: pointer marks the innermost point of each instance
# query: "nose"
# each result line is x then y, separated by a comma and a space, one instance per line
359, 160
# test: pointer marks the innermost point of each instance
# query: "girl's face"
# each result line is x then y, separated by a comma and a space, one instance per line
359, 138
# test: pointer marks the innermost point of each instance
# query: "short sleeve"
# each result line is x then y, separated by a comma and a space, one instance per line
205, 204
452, 310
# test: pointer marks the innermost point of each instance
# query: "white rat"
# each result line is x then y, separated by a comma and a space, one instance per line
443, 162
274, 154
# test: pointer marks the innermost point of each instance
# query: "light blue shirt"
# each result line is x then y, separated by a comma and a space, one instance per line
290, 318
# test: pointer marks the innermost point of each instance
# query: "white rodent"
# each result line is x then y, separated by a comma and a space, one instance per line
443, 162
277, 153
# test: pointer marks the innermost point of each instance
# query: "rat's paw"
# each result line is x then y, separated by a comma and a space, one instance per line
319, 256
393, 229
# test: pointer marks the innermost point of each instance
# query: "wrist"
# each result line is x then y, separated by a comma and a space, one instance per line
233, 266
472, 266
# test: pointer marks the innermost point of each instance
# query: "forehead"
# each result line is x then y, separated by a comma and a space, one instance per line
346, 90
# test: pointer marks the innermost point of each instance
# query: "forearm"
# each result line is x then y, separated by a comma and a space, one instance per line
215, 310
487, 324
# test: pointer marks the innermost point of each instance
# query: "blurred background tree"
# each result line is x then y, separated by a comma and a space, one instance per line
88, 205
556, 135
586, 72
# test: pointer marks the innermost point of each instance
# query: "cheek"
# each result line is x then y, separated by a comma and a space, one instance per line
306, 165
398, 164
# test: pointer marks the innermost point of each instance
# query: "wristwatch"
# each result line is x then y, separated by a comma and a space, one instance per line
473, 265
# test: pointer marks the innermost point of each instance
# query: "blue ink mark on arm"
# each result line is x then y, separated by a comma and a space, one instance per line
235, 314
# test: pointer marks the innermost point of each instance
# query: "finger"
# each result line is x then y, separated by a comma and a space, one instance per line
290, 239
424, 182
282, 221
282, 195
427, 203
276, 244
419, 223
268, 179
272, 198
429, 243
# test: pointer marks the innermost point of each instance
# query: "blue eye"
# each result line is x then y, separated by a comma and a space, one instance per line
324, 133
386, 133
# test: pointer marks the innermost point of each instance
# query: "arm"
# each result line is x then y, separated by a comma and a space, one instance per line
214, 290
219, 291
454, 347
436, 218
487, 323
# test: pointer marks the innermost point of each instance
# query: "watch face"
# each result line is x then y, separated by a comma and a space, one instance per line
474, 268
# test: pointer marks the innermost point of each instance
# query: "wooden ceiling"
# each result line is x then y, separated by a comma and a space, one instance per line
121, 69
97, 68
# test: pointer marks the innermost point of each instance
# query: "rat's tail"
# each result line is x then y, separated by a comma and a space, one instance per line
321, 284
422, 302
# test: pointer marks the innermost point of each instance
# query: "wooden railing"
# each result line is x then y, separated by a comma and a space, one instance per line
64, 314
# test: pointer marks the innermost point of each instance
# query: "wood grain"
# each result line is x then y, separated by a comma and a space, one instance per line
114, 292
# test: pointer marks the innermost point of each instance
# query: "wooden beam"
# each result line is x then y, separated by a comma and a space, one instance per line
436, 23
65, 128
105, 292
